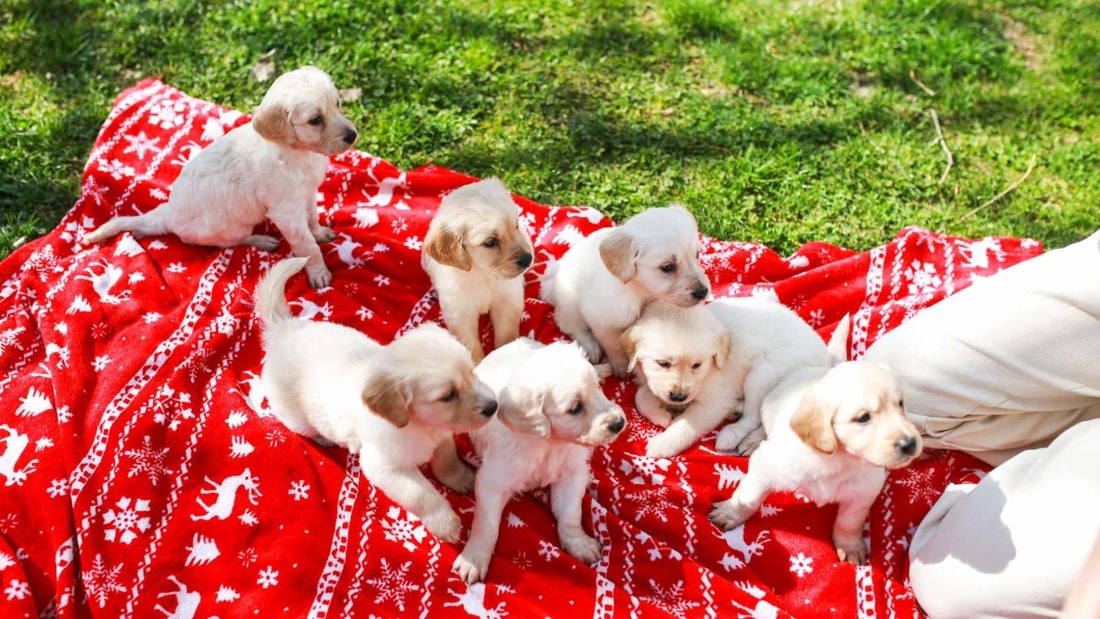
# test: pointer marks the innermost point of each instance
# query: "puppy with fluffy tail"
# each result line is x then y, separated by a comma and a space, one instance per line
268, 168
553, 413
476, 252
397, 406
603, 282
832, 435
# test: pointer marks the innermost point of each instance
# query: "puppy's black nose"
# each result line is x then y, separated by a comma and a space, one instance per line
489, 409
350, 136
907, 445
700, 292
524, 260
677, 396
617, 426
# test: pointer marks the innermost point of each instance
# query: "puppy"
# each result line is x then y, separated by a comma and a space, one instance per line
397, 406
697, 366
832, 433
270, 167
552, 414
476, 253
602, 283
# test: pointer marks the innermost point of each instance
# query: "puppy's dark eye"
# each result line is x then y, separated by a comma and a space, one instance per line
668, 267
450, 397
696, 365
864, 418
316, 120
577, 409
665, 364
491, 242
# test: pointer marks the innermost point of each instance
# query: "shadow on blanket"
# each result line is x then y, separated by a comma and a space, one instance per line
144, 477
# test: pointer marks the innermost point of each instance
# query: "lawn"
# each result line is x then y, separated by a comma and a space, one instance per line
781, 122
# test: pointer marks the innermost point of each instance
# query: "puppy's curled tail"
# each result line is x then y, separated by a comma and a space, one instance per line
271, 292
145, 224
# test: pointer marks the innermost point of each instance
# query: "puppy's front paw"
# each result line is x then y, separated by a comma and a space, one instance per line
470, 567
584, 548
444, 524
727, 515
323, 234
851, 549
749, 444
319, 276
664, 445
262, 241
729, 438
459, 478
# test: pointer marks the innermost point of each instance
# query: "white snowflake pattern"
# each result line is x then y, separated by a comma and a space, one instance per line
399, 226
381, 280
364, 313
168, 116
414, 243
118, 170
176, 267
269, 577
148, 461
100, 582
17, 590
58, 488
404, 530
922, 278
151, 317
299, 490
101, 362
548, 551
393, 586
652, 501
127, 520
167, 401
140, 144
64, 415
644, 470
672, 598
802, 565
247, 557
920, 486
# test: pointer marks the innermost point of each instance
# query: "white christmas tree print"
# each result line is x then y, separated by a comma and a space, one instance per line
393, 585
34, 403
398, 529
227, 594
79, 304
100, 581
8, 338
365, 217
569, 235
148, 461
126, 520
240, 447
728, 476
203, 550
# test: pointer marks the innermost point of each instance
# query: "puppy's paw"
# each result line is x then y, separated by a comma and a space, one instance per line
584, 548
444, 524
749, 444
319, 276
470, 567
727, 515
323, 234
459, 478
729, 438
591, 347
664, 445
853, 551
262, 241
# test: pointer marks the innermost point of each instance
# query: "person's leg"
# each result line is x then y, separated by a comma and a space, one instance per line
1011, 545
1008, 363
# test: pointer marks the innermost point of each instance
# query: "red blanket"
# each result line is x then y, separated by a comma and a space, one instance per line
143, 476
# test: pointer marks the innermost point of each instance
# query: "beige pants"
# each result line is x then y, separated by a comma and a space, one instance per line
1000, 370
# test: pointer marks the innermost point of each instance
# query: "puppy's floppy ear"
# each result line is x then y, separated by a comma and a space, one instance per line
272, 122
444, 245
522, 411
812, 422
629, 340
384, 397
618, 254
722, 344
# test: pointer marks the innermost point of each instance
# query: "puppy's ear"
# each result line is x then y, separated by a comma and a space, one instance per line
629, 340
272, 122
521, 410
838, 341
722, 344
618, 254
812, 422
444, 245
384, 397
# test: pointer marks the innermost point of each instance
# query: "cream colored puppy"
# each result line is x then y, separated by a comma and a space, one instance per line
832, 433
697, 366
397, 406
552, 414
269, 168
476, 252
601, 284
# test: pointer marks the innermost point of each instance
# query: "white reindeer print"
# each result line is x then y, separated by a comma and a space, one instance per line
103, 275
473, 602
187, 601
735, 539
345, 247
14, 446
226, 493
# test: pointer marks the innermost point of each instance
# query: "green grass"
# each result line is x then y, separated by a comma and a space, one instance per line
779, 122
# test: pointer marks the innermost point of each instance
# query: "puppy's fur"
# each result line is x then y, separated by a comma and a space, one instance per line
832, 433
552, 414
270, 167
397, 406
476, 253
700, 362
602, 283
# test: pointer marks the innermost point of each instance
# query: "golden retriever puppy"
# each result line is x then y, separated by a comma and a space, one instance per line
397, 406
601, 284
552, 414
697, 366
476, 253
269, 168
832, 433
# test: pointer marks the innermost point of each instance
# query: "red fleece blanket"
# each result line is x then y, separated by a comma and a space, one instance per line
143, 476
